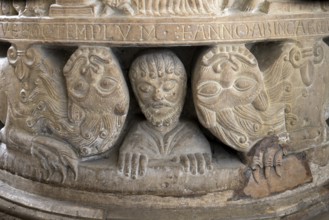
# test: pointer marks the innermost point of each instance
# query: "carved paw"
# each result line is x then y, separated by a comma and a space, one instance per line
267, 155
197, 163
55, 156
132, 165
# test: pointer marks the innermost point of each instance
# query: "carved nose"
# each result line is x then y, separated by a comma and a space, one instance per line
225, 84
158, 95
226, 79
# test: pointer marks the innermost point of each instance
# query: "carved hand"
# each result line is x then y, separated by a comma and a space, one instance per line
196, 163
133, 164
267, 154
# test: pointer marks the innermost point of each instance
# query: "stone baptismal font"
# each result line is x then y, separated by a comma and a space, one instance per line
164, 109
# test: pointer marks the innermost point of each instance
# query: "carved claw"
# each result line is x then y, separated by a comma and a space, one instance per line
268, 160
255, 174
256, 166
267, 172
267, 155
278, 171
72, 163
278, 162
55, 156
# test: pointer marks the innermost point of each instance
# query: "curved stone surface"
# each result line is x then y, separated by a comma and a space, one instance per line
98, 100
103, 176
51, 202
97, 124
131, 31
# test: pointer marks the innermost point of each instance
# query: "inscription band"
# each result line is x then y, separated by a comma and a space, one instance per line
178, 32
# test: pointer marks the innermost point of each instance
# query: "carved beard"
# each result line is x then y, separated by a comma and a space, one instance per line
170, 118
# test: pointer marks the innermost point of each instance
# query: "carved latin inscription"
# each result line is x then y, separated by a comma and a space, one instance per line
164, 32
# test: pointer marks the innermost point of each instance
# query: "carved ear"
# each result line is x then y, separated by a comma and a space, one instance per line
76, 113
207, 117
261, 101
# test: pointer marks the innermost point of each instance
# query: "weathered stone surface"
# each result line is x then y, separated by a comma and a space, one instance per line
102, 175
225, 117
295, 172
38, 200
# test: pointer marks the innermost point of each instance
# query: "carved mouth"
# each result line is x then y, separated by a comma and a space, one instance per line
159, 105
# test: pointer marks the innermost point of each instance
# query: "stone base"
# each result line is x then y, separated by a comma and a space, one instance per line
164, 179
28, 199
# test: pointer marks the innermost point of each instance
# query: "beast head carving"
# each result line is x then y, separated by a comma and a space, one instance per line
98, 98
230, 97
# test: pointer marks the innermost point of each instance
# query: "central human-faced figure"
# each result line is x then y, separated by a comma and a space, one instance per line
159, 87
159, 83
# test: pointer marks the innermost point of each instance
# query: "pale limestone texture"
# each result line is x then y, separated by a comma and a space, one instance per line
159, 83
164, 109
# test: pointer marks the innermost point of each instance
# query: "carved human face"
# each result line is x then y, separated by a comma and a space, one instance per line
159, 82
161, 99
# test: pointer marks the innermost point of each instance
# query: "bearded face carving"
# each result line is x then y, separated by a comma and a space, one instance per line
231, 100
98, 98
160, 87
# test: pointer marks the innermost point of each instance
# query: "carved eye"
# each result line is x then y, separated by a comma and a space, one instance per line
169, 85
145, 87
244, 84
80, 89
209, 89
106, 86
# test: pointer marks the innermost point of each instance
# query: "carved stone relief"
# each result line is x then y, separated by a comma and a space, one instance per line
56, 125
7, 8
165, 8
97, 99
159, 83
241, 105
231, 97
162, 8
3, 98
229, 88
297, 78
227, 111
